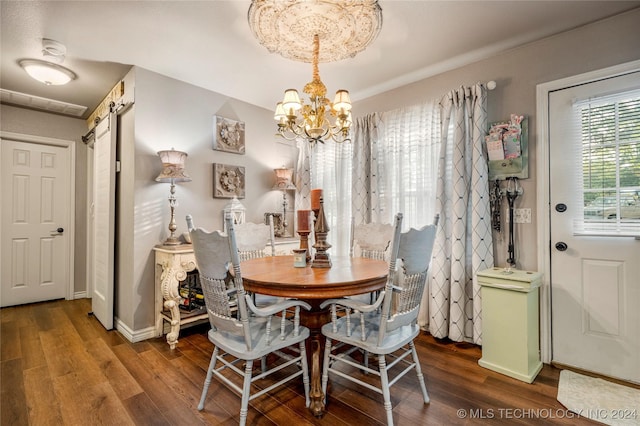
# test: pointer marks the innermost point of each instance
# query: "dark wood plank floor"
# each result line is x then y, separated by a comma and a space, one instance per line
60, 367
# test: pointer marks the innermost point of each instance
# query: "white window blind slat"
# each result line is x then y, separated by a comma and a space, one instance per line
610, 134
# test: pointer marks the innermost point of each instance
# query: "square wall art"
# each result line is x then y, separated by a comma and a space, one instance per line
228, 181
228, 135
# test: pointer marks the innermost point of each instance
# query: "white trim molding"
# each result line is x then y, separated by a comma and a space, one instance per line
134, 335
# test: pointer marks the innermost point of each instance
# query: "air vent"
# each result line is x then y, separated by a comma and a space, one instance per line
42, 104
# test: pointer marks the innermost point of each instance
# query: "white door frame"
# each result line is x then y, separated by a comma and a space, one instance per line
89, 227
71, 146
542, 187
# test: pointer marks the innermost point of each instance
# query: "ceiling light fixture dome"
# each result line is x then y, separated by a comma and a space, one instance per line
46, 72
49, 72
344, 27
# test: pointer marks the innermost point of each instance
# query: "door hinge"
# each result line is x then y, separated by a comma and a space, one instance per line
117, 166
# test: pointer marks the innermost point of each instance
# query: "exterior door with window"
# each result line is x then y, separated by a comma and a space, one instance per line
594, 151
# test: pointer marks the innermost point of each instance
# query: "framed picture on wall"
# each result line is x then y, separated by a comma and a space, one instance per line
228, 181
228, 135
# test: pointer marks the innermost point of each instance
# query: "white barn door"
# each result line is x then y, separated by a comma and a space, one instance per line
104, 190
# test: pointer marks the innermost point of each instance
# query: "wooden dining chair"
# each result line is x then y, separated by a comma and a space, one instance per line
254, 332
254, 238
371, 240
387, 327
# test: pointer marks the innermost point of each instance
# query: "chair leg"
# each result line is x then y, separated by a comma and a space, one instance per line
325, 368
246, 390
305, 373
365, 355
207, 380
384, 379
425, 395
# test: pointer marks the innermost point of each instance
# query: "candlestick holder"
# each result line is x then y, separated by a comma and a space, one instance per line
314, 237
304, 243
321, 258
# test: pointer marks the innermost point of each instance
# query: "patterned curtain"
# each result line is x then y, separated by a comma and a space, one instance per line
365, 192
464, 243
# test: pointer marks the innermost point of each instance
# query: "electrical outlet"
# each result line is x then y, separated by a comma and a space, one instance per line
521, 215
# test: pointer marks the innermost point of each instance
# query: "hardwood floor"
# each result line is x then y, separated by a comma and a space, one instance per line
60, 367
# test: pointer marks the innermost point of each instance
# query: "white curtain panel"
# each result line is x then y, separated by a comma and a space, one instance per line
302, 178
464, 243
404, 172
331, 171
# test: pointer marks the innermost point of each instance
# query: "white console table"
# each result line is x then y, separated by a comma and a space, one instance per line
172, 263
171, 266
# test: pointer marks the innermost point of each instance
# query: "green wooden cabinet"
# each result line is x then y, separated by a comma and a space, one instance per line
510, 322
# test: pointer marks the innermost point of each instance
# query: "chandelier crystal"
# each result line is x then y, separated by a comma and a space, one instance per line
313, 123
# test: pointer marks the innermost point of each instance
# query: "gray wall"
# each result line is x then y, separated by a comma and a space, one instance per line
170, 113
517, 72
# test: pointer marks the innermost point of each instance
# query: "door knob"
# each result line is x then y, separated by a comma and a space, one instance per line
60, 230
561, 246
561, 207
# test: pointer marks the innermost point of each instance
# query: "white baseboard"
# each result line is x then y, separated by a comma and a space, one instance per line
134, 336
80, 295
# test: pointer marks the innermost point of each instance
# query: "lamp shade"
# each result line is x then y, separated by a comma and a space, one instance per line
342, 101
291, 100
173, 163
279, 114
283, 178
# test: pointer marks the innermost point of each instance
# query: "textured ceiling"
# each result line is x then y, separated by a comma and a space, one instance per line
209, 44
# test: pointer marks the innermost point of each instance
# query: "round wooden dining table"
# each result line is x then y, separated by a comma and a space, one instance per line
276, 276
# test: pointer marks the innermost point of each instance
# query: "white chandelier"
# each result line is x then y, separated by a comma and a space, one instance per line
345, 28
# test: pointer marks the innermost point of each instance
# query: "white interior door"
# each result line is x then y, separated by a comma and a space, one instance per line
35, 239
104, 190
595, 261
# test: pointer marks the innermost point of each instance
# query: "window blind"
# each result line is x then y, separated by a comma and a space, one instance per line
610, 156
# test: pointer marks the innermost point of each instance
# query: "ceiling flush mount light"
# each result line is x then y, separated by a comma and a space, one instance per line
345, 27
46, 72
313, 122
49, 72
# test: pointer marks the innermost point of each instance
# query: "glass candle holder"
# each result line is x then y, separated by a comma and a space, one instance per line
299, 258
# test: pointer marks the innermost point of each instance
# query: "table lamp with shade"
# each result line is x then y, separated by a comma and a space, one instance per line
284, 184
173, 163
